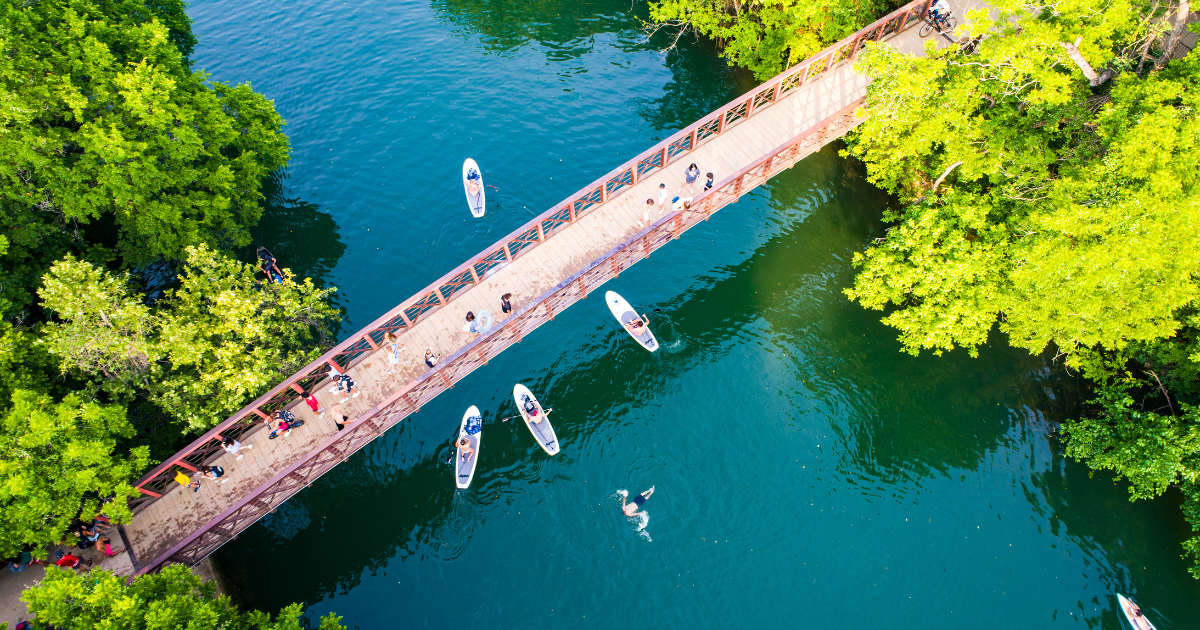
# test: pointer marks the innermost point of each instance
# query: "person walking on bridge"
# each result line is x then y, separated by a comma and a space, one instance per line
646, 213
690, 177
345, 385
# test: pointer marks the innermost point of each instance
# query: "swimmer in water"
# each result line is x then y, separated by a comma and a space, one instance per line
630, 509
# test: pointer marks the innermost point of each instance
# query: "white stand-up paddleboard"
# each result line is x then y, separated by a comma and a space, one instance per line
1127, 606
625, 314
476, 199
542, 431
472, 429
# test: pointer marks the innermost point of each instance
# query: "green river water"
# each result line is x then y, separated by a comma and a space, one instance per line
807, 474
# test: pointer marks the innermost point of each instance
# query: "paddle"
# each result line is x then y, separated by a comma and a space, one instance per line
547, 412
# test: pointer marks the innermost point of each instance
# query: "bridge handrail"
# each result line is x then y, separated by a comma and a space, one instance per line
348, 353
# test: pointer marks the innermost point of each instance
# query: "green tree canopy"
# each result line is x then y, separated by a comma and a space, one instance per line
172, 599
206, 348
104, 123
59, 461
768, 36
1069, 216
1072, 217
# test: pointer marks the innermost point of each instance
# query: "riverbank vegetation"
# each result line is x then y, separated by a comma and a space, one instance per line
1047, 178
768, 36
173, 598
128, 185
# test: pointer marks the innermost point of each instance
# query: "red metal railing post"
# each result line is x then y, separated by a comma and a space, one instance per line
541, 234
333, 364
571, 211
371, 342
695, 132
721, 124
404, 316
775, 94
603, 193
750, 105
258, 412
633, 173
663, 157
474, 276
507, 255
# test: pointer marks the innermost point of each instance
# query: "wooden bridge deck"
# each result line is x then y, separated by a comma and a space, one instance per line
181, 525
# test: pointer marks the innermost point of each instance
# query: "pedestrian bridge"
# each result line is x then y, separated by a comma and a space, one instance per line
547, 264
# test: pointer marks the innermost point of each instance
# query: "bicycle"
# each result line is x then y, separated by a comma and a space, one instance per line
942, 24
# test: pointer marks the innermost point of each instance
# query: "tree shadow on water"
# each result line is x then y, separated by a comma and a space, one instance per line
302, 237
564, 27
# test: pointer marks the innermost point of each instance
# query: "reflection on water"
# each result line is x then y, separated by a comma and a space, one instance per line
304, 238
565, 29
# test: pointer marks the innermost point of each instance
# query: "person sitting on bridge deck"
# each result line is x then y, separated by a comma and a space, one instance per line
505, 306
431, 359
681, 203
708, 184
637, 326
464, 448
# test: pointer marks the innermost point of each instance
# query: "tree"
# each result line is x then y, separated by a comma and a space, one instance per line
1071, 219
168, 600
1058, 225
768, 36
102, 326
106, 126
227, 337
204, 350
58, 462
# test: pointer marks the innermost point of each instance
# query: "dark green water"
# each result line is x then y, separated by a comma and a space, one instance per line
807, 474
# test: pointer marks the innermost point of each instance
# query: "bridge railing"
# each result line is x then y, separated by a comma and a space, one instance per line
400, 319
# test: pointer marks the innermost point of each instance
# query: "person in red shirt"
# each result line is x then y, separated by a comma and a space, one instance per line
69, 561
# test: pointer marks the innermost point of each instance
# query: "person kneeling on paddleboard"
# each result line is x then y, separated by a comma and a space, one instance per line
631, 509
464, 448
